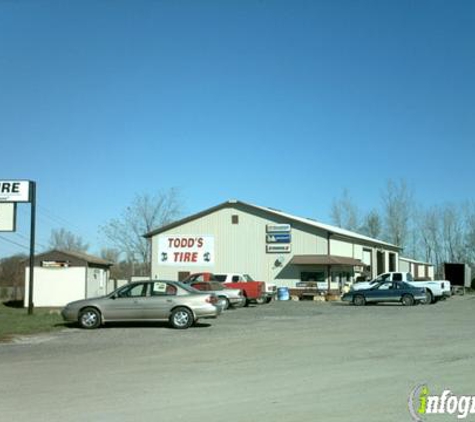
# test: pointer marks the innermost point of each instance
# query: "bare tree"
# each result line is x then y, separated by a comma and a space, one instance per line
12, 275
430, 229
344, 212
372, 224
469, 235
143, 215
67, 241
453, 233
398, 210
121, 268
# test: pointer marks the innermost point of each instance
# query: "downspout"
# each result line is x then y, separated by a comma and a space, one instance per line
87, 275
328, 266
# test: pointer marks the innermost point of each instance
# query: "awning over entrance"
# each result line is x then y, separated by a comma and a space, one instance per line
325, 260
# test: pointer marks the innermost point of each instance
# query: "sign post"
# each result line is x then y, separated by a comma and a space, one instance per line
23, 191
32, 246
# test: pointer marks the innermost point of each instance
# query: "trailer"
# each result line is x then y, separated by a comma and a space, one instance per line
459, 275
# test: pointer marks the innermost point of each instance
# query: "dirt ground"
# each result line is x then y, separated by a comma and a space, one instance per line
286, 361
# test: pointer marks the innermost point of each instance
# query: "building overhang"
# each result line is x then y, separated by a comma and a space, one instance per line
326, 260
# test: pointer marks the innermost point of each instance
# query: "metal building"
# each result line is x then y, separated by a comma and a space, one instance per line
268, 244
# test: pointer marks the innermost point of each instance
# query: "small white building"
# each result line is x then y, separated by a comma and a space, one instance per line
63, 276
268, 244
420, 270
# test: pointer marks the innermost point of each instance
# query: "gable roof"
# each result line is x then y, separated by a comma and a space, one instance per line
90, 259
306, 221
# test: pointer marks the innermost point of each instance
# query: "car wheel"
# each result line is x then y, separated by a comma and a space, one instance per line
430, 298
181, 318
359, 300
260, 301
407, 300
89, 318
269, 300
224, 302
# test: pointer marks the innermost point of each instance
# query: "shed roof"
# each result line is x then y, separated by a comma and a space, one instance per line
272, 212
89, 259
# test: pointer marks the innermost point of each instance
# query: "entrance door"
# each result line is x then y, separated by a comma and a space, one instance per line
380, 262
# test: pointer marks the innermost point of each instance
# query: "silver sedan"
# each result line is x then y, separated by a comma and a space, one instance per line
226, 295
152, 300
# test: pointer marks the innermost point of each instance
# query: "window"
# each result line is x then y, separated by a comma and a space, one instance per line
200, 286
397, 277
235, 278
385, 286
235, 219
135, 290
160, 288
383, 277
312, 276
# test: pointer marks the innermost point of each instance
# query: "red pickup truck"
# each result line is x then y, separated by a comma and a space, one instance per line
252, 290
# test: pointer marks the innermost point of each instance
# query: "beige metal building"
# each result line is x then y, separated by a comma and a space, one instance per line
269, 245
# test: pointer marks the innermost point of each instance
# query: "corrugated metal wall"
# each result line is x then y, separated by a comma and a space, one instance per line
241, 247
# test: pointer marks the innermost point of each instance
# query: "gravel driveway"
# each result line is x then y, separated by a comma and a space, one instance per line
286, 361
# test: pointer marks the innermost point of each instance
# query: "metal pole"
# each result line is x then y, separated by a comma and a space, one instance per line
32, 246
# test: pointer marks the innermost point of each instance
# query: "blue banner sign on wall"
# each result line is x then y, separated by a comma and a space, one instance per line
279, 238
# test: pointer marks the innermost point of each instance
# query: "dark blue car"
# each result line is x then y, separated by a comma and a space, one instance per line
387, 291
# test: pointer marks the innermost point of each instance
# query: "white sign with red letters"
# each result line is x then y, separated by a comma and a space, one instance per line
186, 250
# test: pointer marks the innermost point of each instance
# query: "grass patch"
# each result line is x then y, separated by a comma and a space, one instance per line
15, 321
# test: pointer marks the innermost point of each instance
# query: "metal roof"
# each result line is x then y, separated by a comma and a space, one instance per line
307, 221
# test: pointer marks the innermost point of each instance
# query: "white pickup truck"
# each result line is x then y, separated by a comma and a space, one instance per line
270, 290
436, 290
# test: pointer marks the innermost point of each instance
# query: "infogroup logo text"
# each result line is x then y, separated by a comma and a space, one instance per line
422, 403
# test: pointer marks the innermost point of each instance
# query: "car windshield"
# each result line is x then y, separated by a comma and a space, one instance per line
247, 277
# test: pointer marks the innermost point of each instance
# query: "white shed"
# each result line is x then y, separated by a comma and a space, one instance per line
63, 276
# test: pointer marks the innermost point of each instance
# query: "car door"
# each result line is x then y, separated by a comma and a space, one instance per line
397, 291
161, 300
127, 303
379, 293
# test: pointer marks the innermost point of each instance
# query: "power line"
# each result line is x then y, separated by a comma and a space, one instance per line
56, 218
28, 239
14, 243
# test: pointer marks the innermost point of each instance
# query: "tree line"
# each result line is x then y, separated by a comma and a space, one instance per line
436, 234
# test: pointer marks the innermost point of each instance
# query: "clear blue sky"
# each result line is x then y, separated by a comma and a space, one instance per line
278, 103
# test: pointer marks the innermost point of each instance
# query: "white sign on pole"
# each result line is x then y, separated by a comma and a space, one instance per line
185, 250
14, 191
7, 217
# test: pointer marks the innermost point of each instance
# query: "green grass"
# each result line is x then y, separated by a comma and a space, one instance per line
14, 321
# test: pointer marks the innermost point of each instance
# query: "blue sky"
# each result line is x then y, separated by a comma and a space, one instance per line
278, 103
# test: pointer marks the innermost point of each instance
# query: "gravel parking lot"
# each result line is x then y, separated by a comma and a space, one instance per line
286, 361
